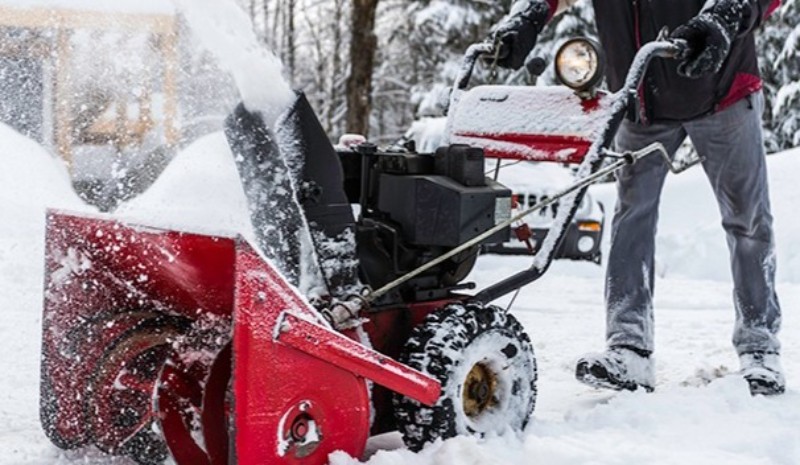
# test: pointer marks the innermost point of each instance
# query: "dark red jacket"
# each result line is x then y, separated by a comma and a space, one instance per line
624, 25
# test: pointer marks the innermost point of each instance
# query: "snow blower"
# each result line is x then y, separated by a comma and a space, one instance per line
160, 343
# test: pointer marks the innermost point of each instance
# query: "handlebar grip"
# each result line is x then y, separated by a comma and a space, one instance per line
682, 48
502, 51
470, 57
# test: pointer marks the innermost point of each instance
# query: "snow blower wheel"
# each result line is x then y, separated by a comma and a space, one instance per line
485, 362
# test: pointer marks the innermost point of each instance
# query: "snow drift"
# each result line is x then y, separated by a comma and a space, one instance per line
31, 180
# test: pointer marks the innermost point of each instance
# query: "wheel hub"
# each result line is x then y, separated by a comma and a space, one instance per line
479, 390
302, 431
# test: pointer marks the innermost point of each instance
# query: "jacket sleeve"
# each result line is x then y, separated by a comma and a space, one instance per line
755, 12
760, 10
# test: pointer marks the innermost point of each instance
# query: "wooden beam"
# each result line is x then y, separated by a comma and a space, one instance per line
62, 103
77, 19
171, 56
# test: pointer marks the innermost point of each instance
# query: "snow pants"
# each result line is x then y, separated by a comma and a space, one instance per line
731, 143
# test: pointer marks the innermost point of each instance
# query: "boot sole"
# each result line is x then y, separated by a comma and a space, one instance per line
598, 377
762, 387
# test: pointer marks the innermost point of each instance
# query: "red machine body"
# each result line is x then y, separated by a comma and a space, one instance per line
161, 343
529, 123
149, 336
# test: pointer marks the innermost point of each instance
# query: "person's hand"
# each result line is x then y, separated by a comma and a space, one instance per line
516, 35
709, 36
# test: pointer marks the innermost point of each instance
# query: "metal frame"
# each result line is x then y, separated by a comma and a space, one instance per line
591, 170
66, 20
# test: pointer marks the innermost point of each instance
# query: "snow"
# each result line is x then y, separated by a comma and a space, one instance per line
199, 191
492, 110
427, 133
31, 180
447, 14
226, 31
700, 413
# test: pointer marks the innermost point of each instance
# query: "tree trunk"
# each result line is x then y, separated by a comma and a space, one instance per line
362, 59
290, 62
336, 66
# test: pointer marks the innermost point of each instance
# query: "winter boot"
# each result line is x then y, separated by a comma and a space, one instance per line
617, 368
763, 373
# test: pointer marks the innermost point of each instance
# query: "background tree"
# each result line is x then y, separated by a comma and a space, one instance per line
363, 46
779, 40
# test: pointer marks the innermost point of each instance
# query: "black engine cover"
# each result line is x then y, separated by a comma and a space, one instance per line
436, 210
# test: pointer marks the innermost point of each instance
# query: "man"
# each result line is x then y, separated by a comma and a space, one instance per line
713, 96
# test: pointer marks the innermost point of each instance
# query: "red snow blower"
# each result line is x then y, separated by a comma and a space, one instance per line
160, 343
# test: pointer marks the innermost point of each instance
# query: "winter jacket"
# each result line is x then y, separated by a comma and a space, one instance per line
624, 25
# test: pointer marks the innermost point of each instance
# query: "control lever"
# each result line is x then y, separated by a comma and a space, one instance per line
675, 166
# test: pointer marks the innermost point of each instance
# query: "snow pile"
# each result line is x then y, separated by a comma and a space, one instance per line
226, 31
31, 180
199, 191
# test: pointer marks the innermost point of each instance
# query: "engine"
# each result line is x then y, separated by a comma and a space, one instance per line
415, 207
410, 207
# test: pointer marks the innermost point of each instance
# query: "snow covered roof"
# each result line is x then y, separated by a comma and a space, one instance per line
163, 7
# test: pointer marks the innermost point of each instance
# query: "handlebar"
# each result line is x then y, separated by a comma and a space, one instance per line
672, 49
664, 48
471, 56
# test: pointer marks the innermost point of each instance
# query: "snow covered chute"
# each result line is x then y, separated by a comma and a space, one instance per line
153, 339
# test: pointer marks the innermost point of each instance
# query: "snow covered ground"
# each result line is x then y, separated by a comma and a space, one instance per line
701, 412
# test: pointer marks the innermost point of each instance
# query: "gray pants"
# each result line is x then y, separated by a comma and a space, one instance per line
731, 142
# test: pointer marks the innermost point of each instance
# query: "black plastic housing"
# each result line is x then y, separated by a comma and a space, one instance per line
439, 211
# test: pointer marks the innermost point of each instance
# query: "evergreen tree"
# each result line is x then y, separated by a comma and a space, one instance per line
779, 41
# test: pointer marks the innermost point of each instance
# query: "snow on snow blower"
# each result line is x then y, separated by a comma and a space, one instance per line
160, 343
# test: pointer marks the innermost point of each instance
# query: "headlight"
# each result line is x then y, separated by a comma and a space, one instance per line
579, 64
585, 244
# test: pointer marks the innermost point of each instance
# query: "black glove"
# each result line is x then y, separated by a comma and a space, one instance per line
516, 34
709, 36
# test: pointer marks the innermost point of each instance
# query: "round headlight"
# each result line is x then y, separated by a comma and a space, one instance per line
579, 64
585, 244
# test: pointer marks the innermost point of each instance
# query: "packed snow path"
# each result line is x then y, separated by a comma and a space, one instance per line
688, 420
701, 412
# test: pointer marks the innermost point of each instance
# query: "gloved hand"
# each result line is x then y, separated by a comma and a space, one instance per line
709, 36
517, 33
